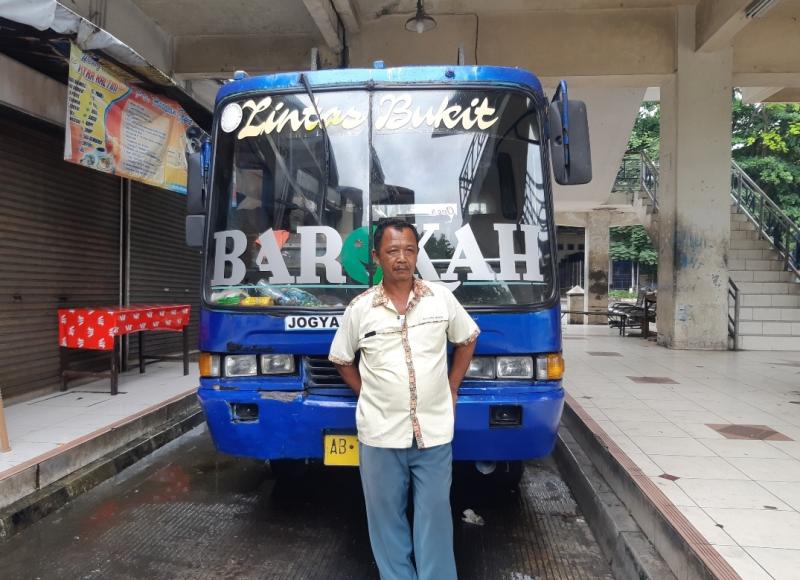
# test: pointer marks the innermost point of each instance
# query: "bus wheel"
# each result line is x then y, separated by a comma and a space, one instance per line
288, 469
501, 475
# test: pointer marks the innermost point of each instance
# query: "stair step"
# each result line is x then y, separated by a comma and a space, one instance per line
744, 234
769, 313
739, 217
742, 226
768, 328
764, 300
761, 276
756, 265
784, 343
753, 244
753, 254
769, 287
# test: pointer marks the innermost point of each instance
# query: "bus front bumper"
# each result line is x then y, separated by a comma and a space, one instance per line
292, 424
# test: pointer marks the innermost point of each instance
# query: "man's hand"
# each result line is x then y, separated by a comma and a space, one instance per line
351, 376
462, 355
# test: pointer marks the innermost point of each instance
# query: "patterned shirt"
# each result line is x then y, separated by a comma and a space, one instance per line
405, 392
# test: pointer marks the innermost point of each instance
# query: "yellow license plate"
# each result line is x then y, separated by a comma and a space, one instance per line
341, 450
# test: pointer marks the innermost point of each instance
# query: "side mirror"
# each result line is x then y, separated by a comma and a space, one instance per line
568, 126
198, 155
195, 186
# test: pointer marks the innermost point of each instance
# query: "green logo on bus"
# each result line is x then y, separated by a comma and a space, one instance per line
355, 256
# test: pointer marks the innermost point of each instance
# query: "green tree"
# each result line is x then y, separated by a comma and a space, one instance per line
766, 144
646, 130
632, 243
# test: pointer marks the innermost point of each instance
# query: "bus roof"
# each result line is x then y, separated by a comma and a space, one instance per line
438, 75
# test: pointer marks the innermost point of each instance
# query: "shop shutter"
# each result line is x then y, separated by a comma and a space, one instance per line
162, 269
59, 247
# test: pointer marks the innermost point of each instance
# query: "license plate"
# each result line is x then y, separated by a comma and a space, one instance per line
341, 450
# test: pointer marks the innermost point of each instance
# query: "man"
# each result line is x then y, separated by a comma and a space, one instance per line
406, 405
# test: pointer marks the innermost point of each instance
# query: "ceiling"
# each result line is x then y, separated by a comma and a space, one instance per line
228, 17
290, 17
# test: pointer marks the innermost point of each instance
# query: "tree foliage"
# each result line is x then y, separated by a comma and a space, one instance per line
766, 144
645, 133
632, 243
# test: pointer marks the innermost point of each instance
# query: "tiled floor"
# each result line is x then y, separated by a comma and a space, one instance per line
44, 424
659, 406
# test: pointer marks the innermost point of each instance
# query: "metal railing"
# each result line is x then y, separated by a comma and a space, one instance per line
629, 175
733, 318
650, 178
638, 173
770, 221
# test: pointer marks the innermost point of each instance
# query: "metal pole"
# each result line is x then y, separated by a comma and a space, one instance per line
736, 306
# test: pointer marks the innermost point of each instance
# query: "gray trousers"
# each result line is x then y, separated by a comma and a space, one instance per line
386, 475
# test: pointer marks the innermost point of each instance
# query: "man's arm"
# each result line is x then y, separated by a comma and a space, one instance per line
462, 355
352, 377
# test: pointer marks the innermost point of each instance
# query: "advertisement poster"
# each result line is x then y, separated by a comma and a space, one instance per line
122, 130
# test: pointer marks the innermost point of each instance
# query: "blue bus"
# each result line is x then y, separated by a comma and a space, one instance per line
283, 198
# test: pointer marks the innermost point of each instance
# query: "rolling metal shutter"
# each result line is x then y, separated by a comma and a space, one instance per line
162, 269
59, 247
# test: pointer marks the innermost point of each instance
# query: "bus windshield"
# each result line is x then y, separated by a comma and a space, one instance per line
293, 199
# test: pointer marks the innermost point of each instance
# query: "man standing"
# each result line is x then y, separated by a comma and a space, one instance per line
406, 405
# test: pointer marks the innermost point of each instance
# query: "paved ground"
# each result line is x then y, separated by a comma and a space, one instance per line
717, 432
48, 423
187, 512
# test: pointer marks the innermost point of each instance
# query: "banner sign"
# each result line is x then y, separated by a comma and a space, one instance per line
123, 130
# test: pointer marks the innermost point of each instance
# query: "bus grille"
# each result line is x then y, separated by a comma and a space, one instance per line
320, 372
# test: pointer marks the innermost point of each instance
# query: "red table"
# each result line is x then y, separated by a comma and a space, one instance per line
100, 329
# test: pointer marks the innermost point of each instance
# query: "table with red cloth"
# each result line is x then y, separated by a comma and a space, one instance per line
100, 328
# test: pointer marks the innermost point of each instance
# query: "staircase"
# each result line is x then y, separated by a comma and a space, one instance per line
769, 311
764, 295
638, 175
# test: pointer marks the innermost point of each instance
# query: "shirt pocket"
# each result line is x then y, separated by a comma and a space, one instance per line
381, 345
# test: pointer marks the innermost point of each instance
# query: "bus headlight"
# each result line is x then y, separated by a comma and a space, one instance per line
514, 367
240, 365
481, 367
277, 364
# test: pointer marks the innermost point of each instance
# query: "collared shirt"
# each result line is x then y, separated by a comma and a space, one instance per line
405, 392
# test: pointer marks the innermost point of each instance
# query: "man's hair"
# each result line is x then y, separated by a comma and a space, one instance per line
396, 223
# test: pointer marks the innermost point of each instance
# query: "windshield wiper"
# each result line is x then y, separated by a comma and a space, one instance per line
325, 139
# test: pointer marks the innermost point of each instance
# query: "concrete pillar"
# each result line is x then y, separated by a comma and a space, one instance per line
694, 195
596, 263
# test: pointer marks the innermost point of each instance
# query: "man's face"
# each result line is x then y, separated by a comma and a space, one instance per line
397, 254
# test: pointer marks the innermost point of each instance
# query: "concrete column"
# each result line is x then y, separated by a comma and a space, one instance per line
694, 195
596, 263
